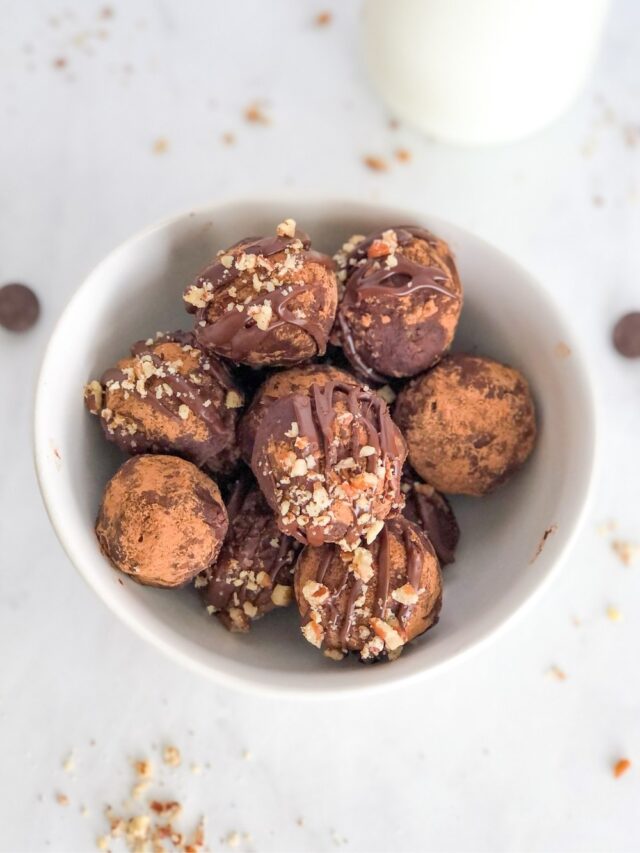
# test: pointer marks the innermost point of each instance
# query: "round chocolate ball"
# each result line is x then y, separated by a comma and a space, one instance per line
254, 571
469, 424
373, 600
401, 303
161, 520
297, 380
329, 463
266, 301
433, 514
170, 397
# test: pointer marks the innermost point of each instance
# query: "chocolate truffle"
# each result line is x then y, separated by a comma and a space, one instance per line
329, 463
297, 380
469, 424
433, 514
161, 520
170, 397
254, 571
266, 301
373, 600
401, 302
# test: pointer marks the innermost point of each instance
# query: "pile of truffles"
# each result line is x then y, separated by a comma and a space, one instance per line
322, 495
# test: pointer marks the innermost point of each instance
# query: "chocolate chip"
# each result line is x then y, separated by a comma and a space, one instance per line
626, 335
19, 307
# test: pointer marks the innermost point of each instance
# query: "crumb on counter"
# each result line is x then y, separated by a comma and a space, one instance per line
255, 114
613, 614
171, 756
376, 164
402, 155
556, 673
621, 766
160, 145
627, 552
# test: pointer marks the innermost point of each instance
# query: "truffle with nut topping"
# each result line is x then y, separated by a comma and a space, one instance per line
267, 301
401, 302
254, 571
469, 424
170, 397
297, 380
433, 514
329, 463
161, 520
373, 600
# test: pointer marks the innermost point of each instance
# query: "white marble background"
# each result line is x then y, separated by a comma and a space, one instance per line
495, 755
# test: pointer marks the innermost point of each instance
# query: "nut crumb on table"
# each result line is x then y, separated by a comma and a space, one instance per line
621, 767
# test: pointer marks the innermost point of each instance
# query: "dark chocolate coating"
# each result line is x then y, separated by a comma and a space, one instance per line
170, 397
265, 302
374, 600
329, 463
297, 380
254, 571
401, 303
469, 424
433, 514
19, 307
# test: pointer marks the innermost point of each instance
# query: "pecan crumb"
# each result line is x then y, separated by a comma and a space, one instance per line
620, 767
322, 19
557, 673
626, 551
171, 756
376, 164
254, 114
160, 146
402, 155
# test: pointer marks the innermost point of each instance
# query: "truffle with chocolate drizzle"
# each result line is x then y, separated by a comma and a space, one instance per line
372, 600
267, 301
329, 463
433, 514
254, 571
170, 397
401, 302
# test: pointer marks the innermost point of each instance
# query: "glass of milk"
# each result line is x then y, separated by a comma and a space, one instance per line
477, 72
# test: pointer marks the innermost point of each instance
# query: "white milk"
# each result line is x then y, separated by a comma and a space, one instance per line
476, 72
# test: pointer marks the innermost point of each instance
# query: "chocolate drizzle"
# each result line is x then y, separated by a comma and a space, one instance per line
248, 550
432, 512
234, 333
339, 610
370, 278
315, 416
198, 397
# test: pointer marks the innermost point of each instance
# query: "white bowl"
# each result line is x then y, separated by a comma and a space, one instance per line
137, 290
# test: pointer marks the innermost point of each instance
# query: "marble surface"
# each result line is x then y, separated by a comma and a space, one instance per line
111, 122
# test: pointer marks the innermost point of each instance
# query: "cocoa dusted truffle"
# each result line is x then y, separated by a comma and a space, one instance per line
329, 463
254, 572
469, 424
433, 514
161, 520
170, 397
297, 380
401, 302
266, 301
373, 600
